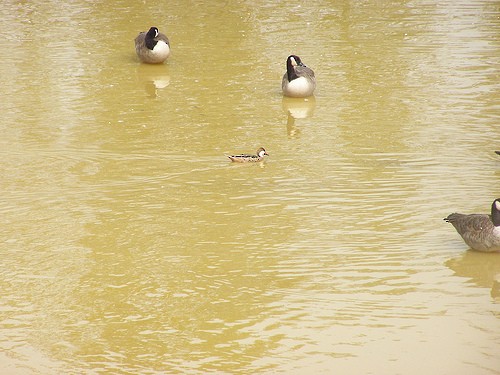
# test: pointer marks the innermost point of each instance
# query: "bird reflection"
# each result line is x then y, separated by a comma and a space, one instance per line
297, 108
154, 78
495, 288
483, 269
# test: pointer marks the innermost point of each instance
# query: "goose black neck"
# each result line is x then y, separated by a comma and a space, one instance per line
495, 213
290, 71
150, 38
150, 42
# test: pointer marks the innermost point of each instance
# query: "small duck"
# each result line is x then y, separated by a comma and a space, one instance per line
152, 47
299, 80
247, 158
497, 152
481, 232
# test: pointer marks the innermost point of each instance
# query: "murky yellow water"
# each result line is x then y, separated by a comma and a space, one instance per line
130, 244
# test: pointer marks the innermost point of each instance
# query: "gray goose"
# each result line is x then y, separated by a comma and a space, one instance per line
152, 47
481, 232
299, 80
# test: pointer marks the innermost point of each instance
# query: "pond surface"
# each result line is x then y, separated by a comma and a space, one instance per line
131, 245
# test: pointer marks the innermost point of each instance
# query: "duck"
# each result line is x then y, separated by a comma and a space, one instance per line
480, 231
247, 158
152, 47
497, 152
299, 80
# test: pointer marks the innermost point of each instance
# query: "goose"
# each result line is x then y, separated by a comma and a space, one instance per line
152, 47
299, 80
481, 232
247, 158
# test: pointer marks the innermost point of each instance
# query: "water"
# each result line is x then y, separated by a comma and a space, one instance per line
130, 244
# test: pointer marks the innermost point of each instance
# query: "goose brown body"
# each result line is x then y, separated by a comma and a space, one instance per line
480, 231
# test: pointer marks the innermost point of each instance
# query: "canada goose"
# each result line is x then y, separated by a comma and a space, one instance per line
152, 47
247, 158
480, 232
299, 80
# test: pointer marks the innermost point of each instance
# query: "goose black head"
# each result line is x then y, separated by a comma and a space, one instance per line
152, 32
150, 37
291, 62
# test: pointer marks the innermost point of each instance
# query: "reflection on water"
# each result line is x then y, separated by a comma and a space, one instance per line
132, 245
481, 269
153, 77
297, 109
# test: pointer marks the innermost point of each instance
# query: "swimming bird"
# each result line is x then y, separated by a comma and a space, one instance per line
497, 152
247, 158
152, 47
481, 232
299, 80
